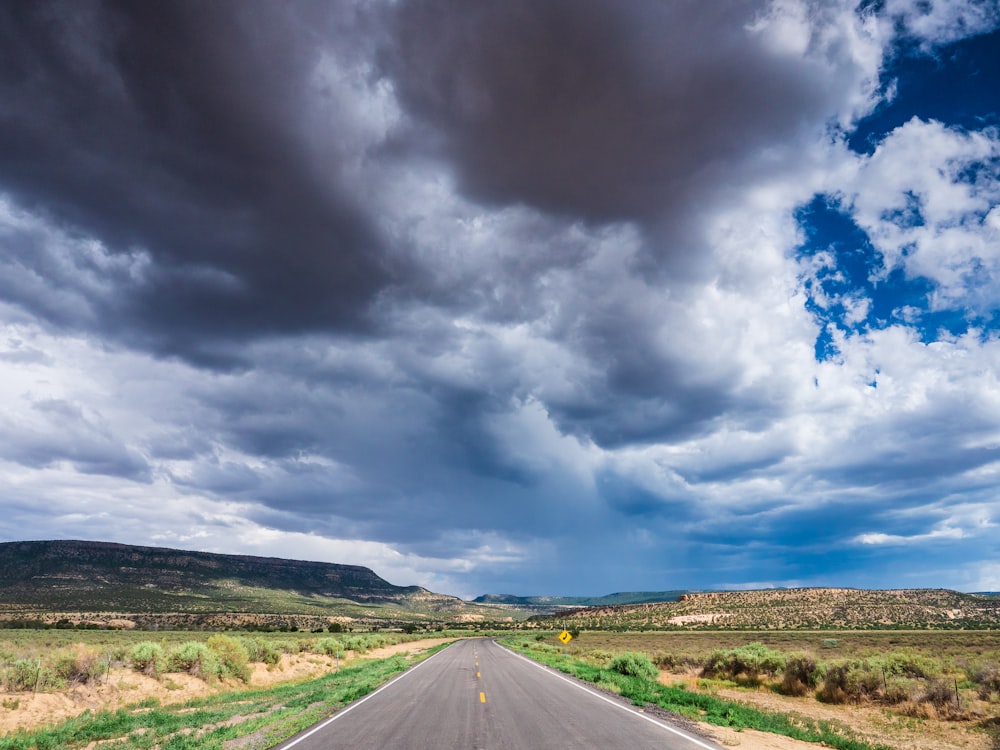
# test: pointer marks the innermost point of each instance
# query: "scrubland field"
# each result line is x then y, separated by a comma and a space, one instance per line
128, 689
926, 690
780, 690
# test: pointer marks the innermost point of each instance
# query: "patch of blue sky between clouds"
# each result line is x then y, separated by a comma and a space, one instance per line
851, 286
847, 289
955, 84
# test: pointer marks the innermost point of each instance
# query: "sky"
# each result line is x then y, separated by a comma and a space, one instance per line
531, 297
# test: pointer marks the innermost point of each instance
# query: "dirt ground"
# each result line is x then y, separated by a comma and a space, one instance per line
872, 724
750, 739
125, 687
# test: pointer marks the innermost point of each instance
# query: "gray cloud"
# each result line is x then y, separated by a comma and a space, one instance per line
177, 130
601, 112
56, 430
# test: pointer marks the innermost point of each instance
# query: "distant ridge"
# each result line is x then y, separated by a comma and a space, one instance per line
814, 608
559, 602
82, 576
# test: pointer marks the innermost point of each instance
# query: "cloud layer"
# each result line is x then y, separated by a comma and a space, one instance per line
535, 297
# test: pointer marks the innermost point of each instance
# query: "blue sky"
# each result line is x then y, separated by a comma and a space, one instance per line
531, 297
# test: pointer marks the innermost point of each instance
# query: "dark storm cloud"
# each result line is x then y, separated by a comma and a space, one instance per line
602, 111
605, 116
177, 129
62, 431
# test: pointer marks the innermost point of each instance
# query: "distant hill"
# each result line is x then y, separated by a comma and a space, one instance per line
557, 603
92, 577
819, 608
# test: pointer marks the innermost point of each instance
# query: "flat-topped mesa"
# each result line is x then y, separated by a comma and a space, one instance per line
73, 576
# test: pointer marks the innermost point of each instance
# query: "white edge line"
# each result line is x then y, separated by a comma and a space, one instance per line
615, 703
358, 702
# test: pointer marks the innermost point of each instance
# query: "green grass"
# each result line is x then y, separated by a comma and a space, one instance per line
271, 715
696, 706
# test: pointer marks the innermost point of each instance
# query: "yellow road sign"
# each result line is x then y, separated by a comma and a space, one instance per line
565, 637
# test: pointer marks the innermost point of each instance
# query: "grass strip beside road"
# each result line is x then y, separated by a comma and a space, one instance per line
695, 706
242, 719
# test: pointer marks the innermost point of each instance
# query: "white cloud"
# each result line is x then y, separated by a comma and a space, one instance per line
878, 538
985, 576
937, 22
926, 198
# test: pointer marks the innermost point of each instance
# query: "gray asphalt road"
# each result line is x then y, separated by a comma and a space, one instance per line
475, 695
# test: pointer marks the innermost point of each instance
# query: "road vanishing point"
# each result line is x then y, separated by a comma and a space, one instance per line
476, 695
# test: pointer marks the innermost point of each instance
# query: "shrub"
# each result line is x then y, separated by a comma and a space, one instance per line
717, 664
751, 661
940, 693
664, 660
896, 692
849, 681
600, 656
80, 666
356, 643
305, 645
330, 647
147, 657
22, 675
801, 674
232, 656
987, 679
897, 664
635, 665
196, 659
545, 648
259, 650
756, 659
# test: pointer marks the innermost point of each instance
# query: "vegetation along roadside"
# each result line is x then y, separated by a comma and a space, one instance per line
237, 718
853, 690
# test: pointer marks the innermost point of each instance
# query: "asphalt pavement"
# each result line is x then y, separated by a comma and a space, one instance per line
476, 695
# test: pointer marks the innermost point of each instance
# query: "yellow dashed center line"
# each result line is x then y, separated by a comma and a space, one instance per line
482, 697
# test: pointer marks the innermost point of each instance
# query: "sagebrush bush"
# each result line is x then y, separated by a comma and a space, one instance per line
196, 659
849, 681
756, 659
940, 693
260, 650
986, 677
801, 675
330, 647
900, 664
147, 657
232, 656
80, 666
751, 661
895, 693
601, 656
665, 660
21, 675
635, 665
